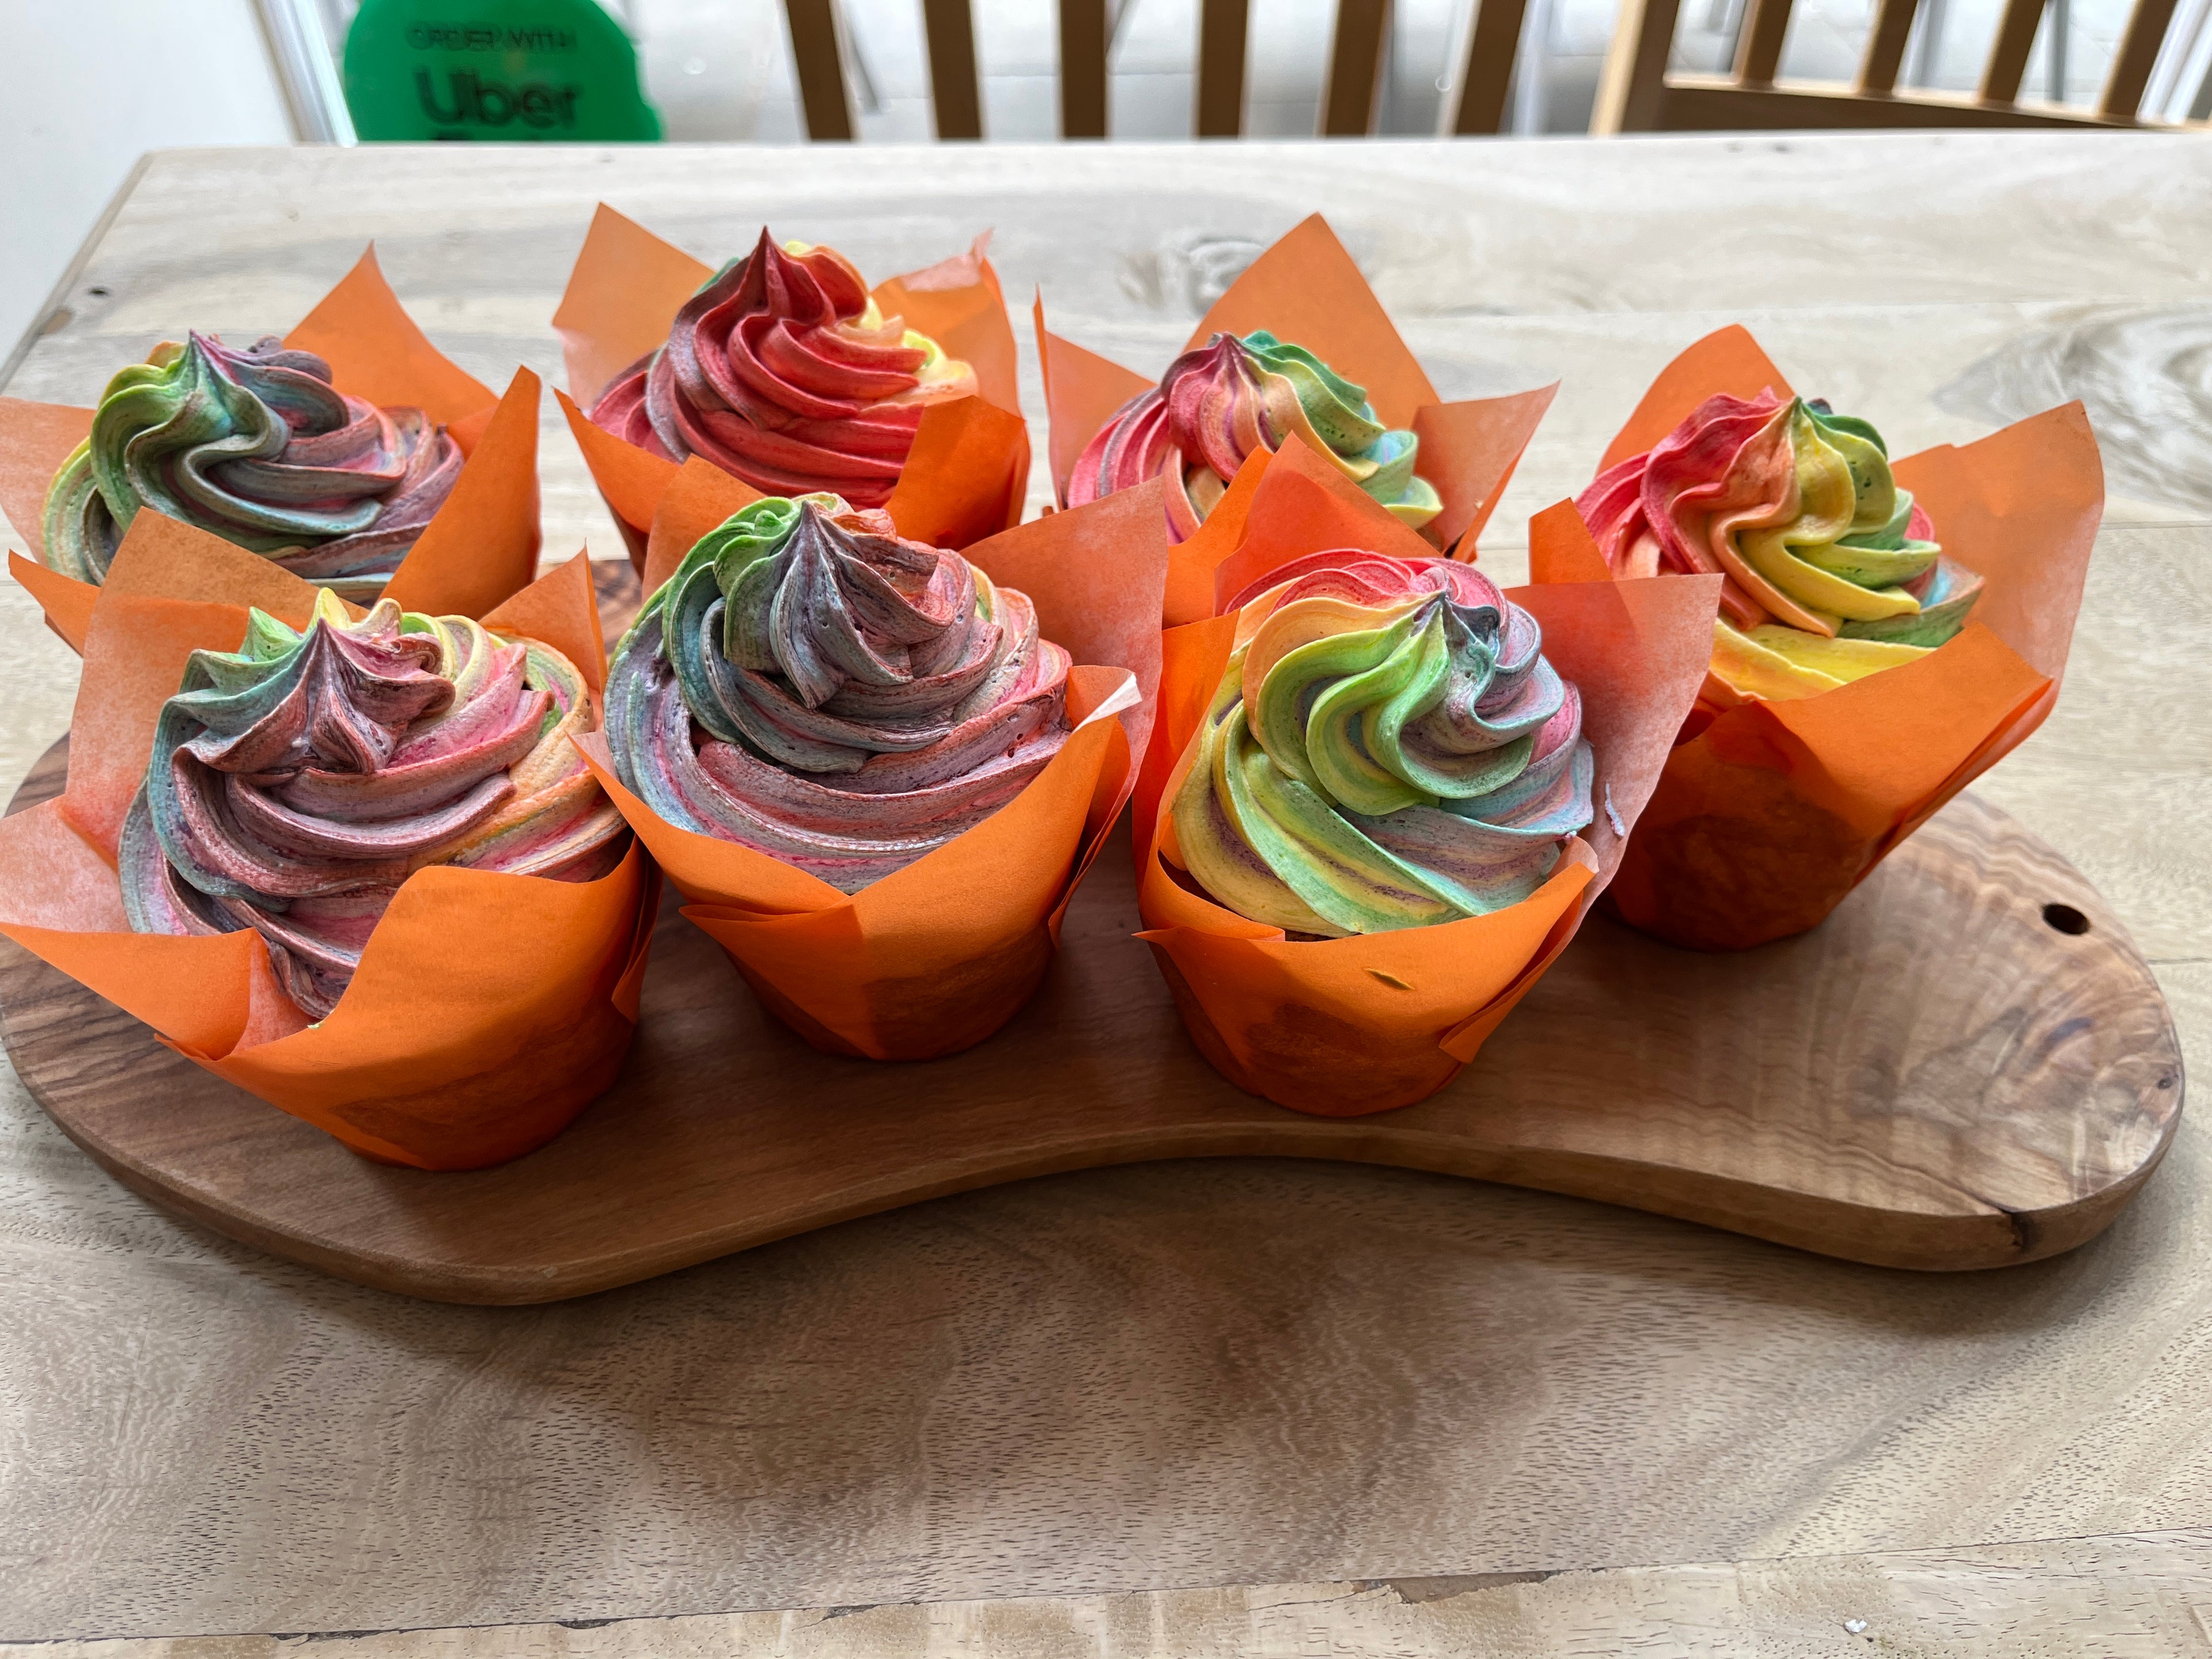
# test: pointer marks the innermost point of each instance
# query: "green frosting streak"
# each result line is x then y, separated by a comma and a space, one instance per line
1381, 459
1337, 407
1875, 552
1338, 880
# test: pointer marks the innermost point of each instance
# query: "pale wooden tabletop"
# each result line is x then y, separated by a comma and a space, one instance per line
1131, 1384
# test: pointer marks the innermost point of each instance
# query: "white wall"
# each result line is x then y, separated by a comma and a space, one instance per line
85, 87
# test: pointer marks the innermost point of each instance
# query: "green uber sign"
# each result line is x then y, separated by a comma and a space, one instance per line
507, 71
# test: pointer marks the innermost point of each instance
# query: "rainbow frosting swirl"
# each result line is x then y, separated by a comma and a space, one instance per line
1233, 395
783, 372
260, 448
1832, 571
1388, 749
811, 686
297, 781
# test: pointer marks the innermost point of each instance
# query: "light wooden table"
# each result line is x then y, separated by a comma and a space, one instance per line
1451, 1418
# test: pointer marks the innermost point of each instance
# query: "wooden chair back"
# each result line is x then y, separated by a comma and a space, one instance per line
1635, 92
1349, 105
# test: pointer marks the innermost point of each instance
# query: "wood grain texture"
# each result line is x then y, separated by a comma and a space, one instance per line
1228, 1371
2133, 368
1957, 241
1203, 1372
2144, 1596
1968, 1066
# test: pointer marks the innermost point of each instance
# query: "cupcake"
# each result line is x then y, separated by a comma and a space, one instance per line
349, 453
350, 863
876, 767
259, 447
1232, 397
1830, 571
1887, 629
786, 372
296, 782
812, 687
1298, 346
1384, 793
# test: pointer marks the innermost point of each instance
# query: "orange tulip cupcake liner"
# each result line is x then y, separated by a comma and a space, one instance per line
1819, 740
447, 1015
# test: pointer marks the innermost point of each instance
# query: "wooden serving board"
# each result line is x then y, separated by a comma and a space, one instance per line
1968, 1064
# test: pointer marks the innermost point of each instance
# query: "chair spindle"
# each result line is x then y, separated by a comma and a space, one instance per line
1082, 42
1488, 70
2132, 63
2007, 61
1759, 46
1885, 47
950, 33
821, 67
1221, 29
1355, 69
1631, 88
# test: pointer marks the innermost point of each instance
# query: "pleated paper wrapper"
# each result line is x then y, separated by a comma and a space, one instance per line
937, 956
1306, 290
481, 546
489, 1008
1344, 1027
1768, 813
968, 470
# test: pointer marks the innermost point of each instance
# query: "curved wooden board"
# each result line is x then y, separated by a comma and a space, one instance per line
1942, 1076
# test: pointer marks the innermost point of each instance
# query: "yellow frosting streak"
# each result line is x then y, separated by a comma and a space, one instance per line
1750, 668
1777, 664
1827, 507
1843, 659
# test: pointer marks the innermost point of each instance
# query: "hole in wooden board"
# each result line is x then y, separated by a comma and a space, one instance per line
2065, 918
